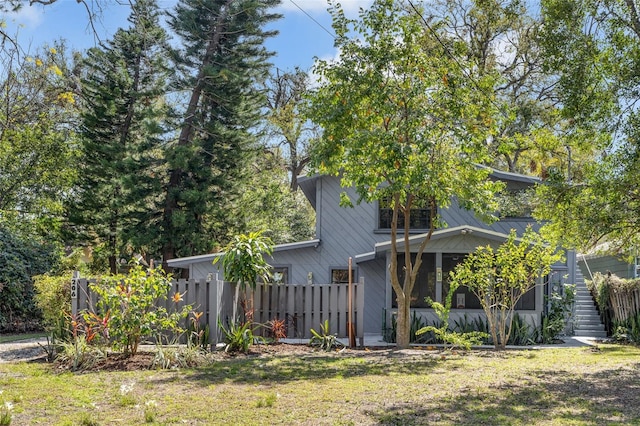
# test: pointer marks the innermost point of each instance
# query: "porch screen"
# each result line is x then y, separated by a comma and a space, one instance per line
425, 285
464, 298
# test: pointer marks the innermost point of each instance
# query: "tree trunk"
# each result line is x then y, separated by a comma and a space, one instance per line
186, 134
403, 323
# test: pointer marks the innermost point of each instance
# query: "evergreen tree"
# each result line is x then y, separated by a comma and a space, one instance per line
122, 127
220, 64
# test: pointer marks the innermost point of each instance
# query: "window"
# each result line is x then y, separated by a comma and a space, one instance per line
463, 297
516, 203
419, 218
279, 275
341, 276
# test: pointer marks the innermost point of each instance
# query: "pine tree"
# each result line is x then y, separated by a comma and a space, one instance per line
123, 96
220, 64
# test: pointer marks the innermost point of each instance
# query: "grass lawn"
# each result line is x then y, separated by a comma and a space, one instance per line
578, 386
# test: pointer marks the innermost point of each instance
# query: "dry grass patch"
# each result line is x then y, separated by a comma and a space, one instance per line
550, 386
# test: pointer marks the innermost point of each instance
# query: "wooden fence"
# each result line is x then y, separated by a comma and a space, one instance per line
301, 306
625, 303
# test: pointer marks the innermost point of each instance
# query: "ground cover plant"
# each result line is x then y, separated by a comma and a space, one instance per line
299, 385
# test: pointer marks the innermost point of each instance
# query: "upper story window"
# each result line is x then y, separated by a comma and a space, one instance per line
420, 216
517, 203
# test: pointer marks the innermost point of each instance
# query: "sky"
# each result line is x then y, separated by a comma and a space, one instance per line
304, 30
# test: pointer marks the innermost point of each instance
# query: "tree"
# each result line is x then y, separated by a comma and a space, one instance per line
288, 126
94, 9
220, 64
499, 278
402, 123
243, 263
123, 125
37, 142
594, 48
268, 203
503, 38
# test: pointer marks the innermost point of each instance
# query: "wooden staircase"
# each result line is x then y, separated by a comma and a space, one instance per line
587, 321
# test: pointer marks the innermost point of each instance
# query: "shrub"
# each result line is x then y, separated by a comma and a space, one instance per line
522, 333
239, 336
457, 339
277, 328
129, 303
53, 294
628, 331
417, 322
80, 351
21, 258
324, 339
560, 309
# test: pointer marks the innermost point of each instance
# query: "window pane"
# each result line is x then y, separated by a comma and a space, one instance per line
279, 275
341, 276
418, 219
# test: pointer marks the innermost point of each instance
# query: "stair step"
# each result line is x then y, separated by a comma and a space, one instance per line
589, 333
587, 327
584, 297
584, 308
587, 323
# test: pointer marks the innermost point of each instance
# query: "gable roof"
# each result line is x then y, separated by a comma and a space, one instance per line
383, 247
183, 262
308, 183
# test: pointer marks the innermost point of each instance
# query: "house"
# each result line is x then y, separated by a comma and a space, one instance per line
363, 234
605, 262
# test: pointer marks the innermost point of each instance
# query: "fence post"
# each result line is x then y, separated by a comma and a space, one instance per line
360, 310
75, 278
213, 309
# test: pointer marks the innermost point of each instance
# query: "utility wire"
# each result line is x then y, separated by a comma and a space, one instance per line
313, 19
464, 70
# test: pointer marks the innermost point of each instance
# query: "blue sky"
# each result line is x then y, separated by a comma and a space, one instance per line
301, 38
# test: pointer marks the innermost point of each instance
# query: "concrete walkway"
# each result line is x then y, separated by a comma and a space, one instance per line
373, 341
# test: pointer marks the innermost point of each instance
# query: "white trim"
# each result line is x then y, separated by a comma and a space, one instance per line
447, 233
183, 262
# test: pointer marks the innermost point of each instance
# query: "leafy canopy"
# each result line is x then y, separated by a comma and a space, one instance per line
243, 262
399, 115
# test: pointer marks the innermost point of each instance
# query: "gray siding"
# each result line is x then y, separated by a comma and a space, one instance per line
605, 264
374, 273
454, 216
456, 244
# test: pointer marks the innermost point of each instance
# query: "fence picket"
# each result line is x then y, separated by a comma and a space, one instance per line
341, 303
